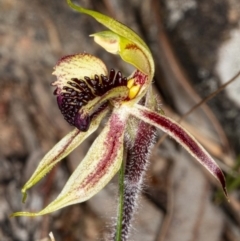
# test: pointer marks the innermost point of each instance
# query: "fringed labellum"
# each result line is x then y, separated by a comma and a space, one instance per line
79, 99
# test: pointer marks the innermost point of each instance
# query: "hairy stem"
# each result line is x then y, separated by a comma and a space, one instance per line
137, 161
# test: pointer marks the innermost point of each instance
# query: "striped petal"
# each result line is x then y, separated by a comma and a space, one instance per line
61, 150
182, 137
101, 163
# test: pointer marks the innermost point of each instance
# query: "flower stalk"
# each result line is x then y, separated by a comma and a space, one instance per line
120, 204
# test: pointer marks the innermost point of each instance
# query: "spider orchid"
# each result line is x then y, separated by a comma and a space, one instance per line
86, 93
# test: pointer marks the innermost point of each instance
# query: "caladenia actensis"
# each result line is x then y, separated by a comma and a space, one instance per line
86, 93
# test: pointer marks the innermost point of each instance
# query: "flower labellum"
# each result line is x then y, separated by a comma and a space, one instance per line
83, 87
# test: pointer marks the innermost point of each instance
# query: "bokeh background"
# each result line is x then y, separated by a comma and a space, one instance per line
196, 48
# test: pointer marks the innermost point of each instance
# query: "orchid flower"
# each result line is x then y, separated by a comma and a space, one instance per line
86, 94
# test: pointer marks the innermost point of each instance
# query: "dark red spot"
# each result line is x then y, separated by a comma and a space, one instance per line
140, 78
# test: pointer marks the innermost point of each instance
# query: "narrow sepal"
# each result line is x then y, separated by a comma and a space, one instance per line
183, 138
101, 163
61, 150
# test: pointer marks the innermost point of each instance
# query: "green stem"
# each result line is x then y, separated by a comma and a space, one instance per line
120, 203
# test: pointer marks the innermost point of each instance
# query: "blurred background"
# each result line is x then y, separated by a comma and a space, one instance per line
196, 48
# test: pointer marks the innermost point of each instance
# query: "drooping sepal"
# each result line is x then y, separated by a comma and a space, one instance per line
101, 163
136, 165
183, 138
61, 150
